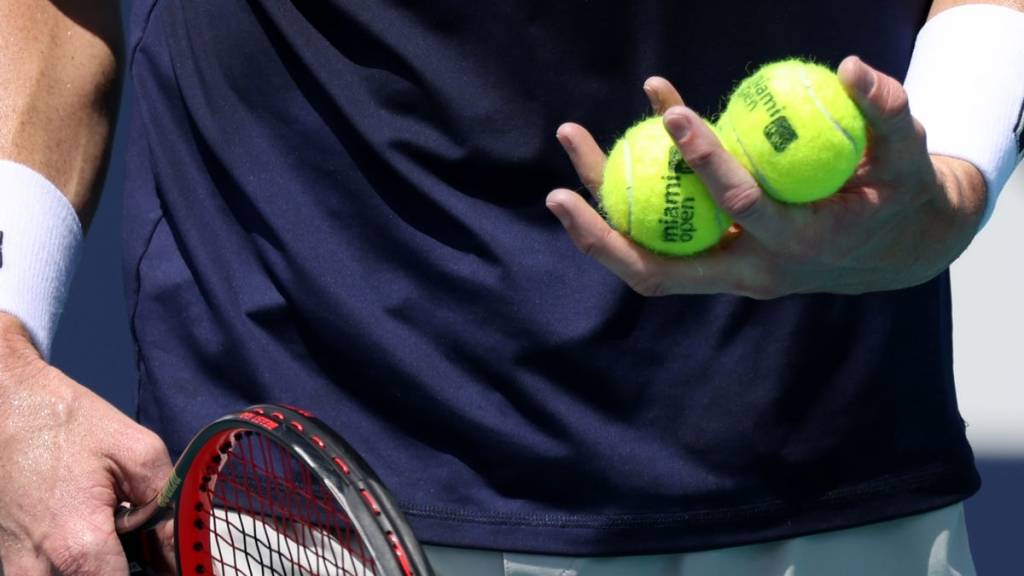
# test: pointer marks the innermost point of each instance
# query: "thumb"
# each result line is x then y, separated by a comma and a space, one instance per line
142, 471
143, 468
883, 103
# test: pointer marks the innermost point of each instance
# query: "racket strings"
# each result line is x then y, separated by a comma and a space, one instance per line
271, 515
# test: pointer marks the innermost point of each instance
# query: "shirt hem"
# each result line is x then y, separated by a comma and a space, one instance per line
689, 531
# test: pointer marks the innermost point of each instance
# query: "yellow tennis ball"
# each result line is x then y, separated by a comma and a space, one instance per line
793, 126
650, 194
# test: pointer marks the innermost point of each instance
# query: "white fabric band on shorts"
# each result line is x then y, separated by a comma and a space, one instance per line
966, 86
40, 238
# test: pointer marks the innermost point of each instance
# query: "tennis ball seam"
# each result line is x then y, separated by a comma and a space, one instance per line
628, 154
650, 195
824, 111
807, 85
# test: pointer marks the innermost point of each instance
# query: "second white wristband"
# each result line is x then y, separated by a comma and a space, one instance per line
966, 87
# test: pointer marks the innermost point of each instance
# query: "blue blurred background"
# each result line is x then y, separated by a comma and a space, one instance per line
94, 347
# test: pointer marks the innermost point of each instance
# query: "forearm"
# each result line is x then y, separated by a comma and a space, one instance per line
941, 5
959, 211
59, 90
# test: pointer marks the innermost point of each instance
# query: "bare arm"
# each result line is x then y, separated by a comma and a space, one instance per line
940, 5
900, 221
59, 67
67, 457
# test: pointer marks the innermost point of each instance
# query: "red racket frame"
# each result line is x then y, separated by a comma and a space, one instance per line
381, 525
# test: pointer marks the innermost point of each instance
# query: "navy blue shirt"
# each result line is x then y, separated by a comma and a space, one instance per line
340, 205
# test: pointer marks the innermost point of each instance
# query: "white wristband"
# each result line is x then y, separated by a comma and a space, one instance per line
966, 86
40, 237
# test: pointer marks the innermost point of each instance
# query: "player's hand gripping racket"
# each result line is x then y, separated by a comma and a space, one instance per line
272, 491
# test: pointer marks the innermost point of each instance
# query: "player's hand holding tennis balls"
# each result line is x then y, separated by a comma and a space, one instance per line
899, 220
67, 458
792, 126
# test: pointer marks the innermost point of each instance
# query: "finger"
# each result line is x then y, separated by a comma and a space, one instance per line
165, 534
584, 153
736, 266
153, 548
595, 238
884, 105
730, 185
662, 95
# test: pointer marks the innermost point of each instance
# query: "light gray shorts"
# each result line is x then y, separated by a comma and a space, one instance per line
931, 544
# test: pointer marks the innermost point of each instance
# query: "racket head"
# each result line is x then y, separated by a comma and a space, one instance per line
272, 488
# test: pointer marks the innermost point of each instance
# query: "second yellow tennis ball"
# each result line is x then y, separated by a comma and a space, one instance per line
650, 194
793, 126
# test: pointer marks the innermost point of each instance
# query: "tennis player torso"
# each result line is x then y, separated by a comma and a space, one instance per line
340, 205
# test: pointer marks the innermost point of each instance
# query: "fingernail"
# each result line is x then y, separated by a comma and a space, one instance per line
865, 80
565, 141
559, 211
678, 125
652, 95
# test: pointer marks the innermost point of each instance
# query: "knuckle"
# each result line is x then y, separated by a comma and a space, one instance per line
762, 292
592, 245
740, 200
151, 445
649, 286
152, 458
896, 104
750, 289
700, 156
919, 131
919, 135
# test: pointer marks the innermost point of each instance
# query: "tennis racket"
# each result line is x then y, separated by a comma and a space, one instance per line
270, 491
